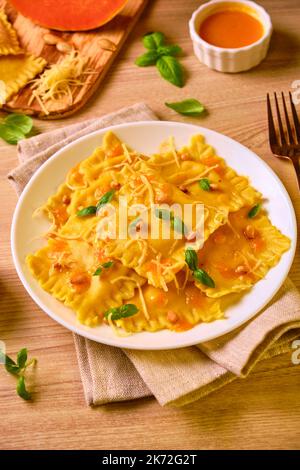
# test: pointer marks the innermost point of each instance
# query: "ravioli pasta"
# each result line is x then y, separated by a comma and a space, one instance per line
143, 283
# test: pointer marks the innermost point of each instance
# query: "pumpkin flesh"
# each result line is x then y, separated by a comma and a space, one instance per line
69, 15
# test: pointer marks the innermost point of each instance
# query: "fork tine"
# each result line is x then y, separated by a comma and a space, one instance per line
281, 131
287, 120
272, 132
295, 118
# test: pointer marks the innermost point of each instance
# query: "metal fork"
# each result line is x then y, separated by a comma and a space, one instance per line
285, 142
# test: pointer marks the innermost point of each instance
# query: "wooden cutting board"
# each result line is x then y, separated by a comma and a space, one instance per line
90, 44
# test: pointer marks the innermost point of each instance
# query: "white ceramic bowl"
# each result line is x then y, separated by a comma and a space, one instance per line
146, 137
230, 59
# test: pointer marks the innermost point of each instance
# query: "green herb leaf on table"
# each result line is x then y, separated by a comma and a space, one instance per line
254, 211
22, 358
204, 184
191, 259
169, 50
21, 121
162, 55
18, 369
21, 389
153, 40
15, 127
126, 310
149, 58
170, 69
189, 107
10, 365
202, 276
10, 134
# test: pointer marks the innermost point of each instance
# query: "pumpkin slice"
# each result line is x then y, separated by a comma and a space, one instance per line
17, 70
69, 15
9, 43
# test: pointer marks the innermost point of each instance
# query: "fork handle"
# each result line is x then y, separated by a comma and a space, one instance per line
296, 164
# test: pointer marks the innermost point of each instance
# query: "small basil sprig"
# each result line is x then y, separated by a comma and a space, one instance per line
91, 210
199, 274
189, 107
202, 276
106, 198
126, 310
106, 265
153, 40
254, 211
15, 127
170, 69
176, 222
163, 56
204, 184
191, 259
18, 369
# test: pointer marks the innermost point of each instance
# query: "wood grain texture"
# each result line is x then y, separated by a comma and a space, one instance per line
88, 44
262, 411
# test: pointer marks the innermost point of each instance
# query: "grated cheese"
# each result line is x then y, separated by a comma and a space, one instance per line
56, 81
196, 178
149, 187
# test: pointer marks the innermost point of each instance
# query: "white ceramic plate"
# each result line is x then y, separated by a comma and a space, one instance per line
146, 137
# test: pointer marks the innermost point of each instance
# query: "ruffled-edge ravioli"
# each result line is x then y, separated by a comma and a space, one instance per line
240, 253
65, 269
130, 252
156, 259
186, 167
176, 310
98, 171
9, 43
17, 70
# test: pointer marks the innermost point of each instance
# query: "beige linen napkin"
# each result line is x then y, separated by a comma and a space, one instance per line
179, 376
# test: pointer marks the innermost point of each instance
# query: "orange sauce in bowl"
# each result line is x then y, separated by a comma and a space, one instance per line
231, 28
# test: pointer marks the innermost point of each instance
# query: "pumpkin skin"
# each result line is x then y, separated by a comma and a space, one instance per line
69, 15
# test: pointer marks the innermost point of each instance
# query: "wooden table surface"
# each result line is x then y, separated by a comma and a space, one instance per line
262, 411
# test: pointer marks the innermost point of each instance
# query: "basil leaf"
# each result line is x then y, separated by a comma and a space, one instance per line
106, 198
189, 107
126, 310
149, 58
163, 214
90, 210
254, 211
21, 389
170, 69
191, 259
97, 272
10, 365
22, 358
178, 225
202, 276
22, 122
107, 265
169, 50
153, 40
11, 134
204, 184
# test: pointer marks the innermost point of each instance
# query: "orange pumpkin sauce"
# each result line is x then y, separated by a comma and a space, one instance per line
231, 29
